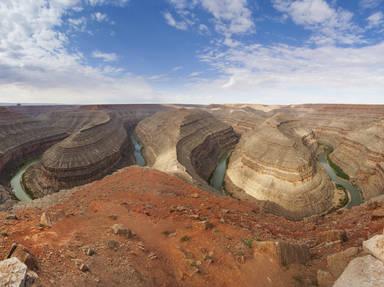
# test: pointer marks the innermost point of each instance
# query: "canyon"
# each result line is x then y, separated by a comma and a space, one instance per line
288, 181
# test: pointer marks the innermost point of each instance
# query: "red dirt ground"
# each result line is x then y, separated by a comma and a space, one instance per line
172, 245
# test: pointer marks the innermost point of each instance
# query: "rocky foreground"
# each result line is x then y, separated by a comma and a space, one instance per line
142, 227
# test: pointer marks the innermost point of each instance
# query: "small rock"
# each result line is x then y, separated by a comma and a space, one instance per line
11, 217
31, 278
83, 268
113, 217
152, 256
241, 259
119, 229
180, 208
140, 245
113, 244
207, 225
45, 220
89, 251
195, 195
333, 235
22, 253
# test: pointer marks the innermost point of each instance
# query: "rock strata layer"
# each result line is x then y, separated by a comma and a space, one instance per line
88, 153
276, 167
22, 137
185, 142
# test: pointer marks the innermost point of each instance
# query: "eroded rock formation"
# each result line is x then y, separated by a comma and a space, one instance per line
22, 137
185, 142
88, 153
278, 168
361, 155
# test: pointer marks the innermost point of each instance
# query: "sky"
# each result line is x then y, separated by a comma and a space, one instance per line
192, 51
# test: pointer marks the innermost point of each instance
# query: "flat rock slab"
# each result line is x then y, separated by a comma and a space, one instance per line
364, 271
375, 246
12, 273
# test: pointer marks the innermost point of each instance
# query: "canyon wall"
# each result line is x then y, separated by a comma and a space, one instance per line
22, 137
361, 155
88, 153
186, 142
277, 168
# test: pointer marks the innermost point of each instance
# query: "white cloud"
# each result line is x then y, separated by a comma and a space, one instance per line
203, 29
287, 74
36, 64
230, 17
369, 4
100, 17
375, 20
171, 21
177, 68
108, 2
330, 25
78, 24
106, 57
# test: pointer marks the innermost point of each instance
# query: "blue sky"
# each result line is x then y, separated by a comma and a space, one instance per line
196, 51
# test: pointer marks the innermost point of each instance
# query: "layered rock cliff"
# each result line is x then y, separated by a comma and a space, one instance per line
276, 167
88, 153
22, 137
185, 142
361, 155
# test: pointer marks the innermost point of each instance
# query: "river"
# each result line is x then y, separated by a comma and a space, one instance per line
217, 178
138, 150
16, 185
354, 193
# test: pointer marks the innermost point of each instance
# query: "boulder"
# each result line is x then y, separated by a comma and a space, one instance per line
283, 252
337, 262
375, 246
364, 271
22, 253
12, 273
